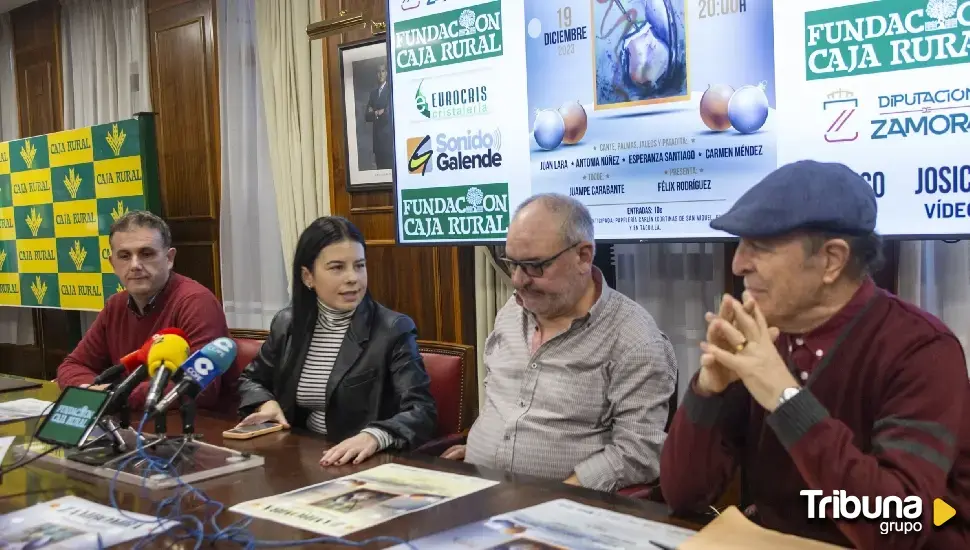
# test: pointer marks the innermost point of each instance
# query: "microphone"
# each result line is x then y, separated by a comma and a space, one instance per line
127, 364
200, 370
167, 353
109, 374
137, 373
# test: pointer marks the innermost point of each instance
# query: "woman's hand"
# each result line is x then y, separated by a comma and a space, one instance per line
358, 448
269, 411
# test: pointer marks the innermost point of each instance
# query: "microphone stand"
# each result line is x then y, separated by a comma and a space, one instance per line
188, 411
113, 429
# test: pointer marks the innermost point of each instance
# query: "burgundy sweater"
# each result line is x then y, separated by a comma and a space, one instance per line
889, 414
117, 331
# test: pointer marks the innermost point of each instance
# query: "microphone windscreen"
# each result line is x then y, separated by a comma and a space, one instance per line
172, 330
134, 359
210, 362
168, 351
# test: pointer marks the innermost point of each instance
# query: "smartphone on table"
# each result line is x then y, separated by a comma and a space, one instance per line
249, 432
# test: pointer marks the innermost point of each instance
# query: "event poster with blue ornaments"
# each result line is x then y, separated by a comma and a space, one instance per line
659, 114
656, 114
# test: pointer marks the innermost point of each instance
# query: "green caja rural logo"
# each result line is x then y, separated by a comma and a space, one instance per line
451, 37
884, 36
463, 212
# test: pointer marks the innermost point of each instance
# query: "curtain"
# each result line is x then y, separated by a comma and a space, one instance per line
676, 283
16, 323
104, 53
493, 288
292, 87
253, 278
104, 58
935, 276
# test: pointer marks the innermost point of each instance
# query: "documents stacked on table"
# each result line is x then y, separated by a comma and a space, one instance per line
355, 502
22, 409
70, 523
554, 525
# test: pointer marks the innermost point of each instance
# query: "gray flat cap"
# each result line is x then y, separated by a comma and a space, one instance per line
804, 195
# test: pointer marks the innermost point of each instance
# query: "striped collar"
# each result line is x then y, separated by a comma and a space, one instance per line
329, 315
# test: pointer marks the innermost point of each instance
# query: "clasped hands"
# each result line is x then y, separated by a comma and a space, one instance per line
741, 346
357, 448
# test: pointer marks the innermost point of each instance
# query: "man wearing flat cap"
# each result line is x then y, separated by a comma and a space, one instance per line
818, 382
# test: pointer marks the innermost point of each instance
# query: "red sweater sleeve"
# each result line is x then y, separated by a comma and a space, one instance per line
703, 447
90, 357
916, 424
201, 317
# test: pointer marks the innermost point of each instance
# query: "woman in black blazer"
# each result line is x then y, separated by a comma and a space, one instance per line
337, 362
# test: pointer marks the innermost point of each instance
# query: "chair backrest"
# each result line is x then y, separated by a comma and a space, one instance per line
248, 343
451, 368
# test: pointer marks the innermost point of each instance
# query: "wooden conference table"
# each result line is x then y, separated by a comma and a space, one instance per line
292, 461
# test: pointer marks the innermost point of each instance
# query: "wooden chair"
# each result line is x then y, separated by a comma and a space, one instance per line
453, 383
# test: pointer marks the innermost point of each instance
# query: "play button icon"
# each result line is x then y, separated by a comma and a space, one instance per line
942, 512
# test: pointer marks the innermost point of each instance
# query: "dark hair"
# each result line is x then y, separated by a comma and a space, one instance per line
320, 234
142, 218
865, 252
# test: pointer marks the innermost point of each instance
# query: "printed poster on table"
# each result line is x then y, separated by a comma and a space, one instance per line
883, 87
72, 523
556, 525
355, 502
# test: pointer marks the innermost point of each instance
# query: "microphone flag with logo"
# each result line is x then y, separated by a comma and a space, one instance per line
201, 369
136, 363
164, 358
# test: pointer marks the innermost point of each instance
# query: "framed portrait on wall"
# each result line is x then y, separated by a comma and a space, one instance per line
367, 114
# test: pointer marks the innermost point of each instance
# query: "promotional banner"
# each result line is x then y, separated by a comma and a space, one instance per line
883, 87
659, 114
656, 114
59, 195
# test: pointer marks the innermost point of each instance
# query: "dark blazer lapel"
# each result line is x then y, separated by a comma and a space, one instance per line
294, 356
352, 346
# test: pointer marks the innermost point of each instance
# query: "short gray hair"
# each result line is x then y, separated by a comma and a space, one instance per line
577, 223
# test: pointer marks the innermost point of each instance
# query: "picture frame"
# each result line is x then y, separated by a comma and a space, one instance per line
368, 114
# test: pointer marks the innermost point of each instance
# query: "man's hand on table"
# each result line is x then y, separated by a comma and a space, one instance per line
455, 452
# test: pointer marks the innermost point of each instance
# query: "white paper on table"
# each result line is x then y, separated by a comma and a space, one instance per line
72, 523
21, 409
557, 524
5, 443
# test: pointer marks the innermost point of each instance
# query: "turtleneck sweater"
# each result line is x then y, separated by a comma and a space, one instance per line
311, 392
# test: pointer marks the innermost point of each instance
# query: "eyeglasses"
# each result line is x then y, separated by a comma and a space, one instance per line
535, 268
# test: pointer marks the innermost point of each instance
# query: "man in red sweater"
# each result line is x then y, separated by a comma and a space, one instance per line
820, 382
154, 298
